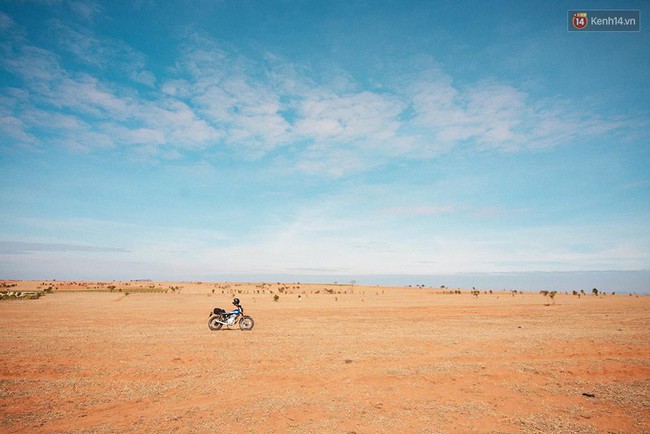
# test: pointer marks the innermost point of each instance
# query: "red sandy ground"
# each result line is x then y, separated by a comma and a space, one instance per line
362, 359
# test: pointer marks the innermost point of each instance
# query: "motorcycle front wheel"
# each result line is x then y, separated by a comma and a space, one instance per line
246, 323
214, 324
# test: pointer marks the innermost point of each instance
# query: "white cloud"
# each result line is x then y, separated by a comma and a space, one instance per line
86, 9
216, 97
87, 95
15, 128
364, 118
6, 22
36, 66
247, 110
333, 163
83, 112
103, 53
499, 116
144, 77
177, 88
420, 210
142, 136
181, 126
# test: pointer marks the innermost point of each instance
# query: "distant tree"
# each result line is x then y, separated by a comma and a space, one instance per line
595, 291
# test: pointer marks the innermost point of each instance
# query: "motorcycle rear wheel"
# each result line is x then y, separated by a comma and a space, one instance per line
214, 324
246, 323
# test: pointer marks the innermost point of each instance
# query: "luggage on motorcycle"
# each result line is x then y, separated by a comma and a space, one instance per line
219, 317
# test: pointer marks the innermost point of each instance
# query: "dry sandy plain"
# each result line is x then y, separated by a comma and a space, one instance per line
363, 360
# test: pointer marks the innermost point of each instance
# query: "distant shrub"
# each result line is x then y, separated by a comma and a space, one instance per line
276, 297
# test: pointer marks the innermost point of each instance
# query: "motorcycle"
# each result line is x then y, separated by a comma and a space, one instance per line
219, 317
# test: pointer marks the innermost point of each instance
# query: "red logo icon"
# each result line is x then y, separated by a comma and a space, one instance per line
580, 20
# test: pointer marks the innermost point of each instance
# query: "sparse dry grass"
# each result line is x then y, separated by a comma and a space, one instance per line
104, 362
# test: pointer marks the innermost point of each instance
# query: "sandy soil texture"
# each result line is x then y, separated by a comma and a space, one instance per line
138, 357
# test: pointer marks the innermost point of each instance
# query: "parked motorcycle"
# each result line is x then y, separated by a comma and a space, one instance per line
219, 317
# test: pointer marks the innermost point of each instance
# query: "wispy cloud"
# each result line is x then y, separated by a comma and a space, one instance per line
87, 10
21, 247
420, 210
495, 115
217, 97
102, 54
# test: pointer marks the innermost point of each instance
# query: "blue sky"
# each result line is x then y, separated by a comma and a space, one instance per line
191, 140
